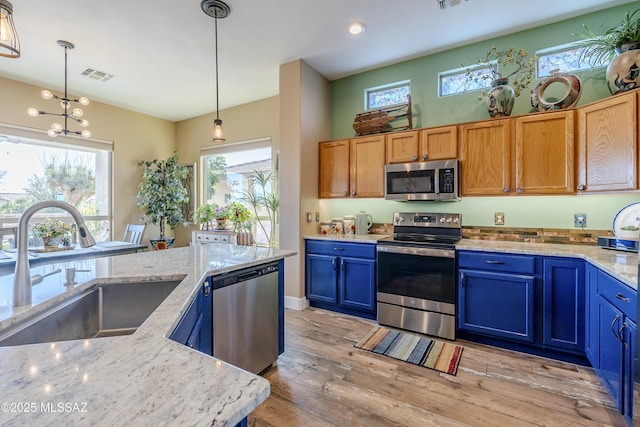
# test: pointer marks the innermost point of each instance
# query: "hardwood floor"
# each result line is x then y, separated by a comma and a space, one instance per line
322, 380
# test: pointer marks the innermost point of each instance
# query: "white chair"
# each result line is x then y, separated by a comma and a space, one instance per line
133, 233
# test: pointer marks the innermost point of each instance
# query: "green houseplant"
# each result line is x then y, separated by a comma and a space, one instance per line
205, 215
620, 46
264, 199
161, 195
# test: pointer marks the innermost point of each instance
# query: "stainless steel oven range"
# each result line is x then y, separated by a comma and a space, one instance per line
416, 273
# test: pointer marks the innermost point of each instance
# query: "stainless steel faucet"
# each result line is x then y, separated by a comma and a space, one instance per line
22, 275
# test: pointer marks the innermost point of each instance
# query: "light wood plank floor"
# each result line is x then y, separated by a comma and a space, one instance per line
323, 380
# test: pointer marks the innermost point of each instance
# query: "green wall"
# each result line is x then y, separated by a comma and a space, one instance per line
347, 97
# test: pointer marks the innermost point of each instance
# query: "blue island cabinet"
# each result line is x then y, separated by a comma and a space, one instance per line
195, 329
341, 276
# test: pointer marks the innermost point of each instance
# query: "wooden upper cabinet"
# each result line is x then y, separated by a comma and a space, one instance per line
367, 166
544, 153
402, 147
334, 169
438, 143
485, 157
607, 145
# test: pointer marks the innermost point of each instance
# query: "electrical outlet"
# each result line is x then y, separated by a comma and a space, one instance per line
498, 218
580, 220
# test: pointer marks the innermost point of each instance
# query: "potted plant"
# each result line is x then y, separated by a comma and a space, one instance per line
205, 215
222, 215
620, 46
161, 195
263, 198
509, 71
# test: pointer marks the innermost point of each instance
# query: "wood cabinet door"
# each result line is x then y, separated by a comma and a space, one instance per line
607, 145
402, 147
485, 158
544, 153
439, 143
367, 166
334, 169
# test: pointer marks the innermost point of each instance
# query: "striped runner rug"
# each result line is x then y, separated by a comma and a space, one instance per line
419, 350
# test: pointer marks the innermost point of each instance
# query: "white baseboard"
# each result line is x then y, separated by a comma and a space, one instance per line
295, 303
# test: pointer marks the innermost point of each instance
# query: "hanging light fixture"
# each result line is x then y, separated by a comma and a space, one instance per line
217, 9
9, 42
66, 104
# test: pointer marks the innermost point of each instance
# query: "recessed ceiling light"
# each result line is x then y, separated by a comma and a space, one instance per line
356, 28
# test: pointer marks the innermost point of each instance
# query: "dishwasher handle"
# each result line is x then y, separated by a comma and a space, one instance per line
248, 276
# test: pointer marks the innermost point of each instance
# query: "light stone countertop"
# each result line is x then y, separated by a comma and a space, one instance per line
141, 379
354, 238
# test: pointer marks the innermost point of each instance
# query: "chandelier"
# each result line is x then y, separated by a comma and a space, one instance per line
216, 9
9, 42
66, 104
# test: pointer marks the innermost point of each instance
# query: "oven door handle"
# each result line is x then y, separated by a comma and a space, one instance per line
406, 250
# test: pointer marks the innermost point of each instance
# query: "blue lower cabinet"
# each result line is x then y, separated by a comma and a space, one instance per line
195, 329
496, 304
563, 289
592, 321
629, 337
341, 276
611, 349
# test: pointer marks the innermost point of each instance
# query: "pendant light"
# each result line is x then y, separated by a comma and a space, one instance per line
9, 42
217, 9
66, 104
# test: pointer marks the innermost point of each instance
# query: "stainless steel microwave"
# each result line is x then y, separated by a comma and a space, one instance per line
433, 180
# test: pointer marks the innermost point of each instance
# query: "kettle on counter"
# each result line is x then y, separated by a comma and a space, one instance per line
363, 222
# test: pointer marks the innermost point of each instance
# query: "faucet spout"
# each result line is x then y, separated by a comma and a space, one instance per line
22, 275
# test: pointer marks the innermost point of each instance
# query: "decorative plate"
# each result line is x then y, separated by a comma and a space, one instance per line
628, 216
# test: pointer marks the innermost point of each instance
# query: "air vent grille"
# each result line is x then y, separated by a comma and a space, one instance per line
94, 74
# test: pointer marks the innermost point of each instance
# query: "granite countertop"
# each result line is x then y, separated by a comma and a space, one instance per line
357, 238
141, 379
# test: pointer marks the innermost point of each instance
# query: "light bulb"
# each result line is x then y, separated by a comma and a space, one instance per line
84, 123
217, 131
65, 104
56, 127
356, 28
33, 112
46, 94
77, 112
83, 100
52, 133
86, 133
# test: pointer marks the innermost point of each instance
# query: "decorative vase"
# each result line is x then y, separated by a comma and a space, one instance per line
160, 244
570, 97
49, 242
222, 223
623, 71
500, 98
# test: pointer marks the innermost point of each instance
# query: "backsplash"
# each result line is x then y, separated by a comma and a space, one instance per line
535, 235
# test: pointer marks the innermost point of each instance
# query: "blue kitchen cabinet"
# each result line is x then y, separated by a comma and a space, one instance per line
341, 276
496, 295
617, 340
591, 315
563, 290
195, 329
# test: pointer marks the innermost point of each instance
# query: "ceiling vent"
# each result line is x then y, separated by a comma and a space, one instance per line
94, 74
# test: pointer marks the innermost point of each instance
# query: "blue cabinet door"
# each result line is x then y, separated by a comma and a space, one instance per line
496, 304
611, 349
591, 315
629, 336
195, 329
206, 327
563, 304
357, 283
322, 278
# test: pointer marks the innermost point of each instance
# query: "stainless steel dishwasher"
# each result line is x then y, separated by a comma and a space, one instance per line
245, 317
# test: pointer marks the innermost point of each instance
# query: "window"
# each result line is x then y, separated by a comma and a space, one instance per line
566, 58
67, 169
240, 171
386, 95
467, 79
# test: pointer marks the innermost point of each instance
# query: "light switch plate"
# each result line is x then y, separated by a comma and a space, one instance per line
498, 218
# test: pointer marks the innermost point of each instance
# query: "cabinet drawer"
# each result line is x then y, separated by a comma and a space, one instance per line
497, 262
617, 293
359, 250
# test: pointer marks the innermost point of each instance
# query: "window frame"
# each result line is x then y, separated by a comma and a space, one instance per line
460, 71
382, 88
559, 49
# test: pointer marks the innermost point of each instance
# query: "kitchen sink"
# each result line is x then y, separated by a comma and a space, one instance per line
106, 310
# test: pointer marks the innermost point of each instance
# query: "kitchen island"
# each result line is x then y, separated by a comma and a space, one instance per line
140, 379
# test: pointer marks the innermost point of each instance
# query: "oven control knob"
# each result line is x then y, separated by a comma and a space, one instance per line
455, 220
401, 219
448, 220
442, 220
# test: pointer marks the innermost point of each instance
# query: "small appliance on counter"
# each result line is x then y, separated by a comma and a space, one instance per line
626, 230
